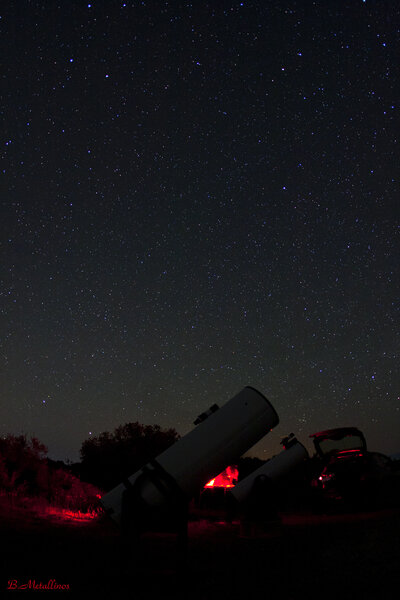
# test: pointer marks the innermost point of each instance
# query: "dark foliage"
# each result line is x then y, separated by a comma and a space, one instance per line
110, 457
26, 473
22, 469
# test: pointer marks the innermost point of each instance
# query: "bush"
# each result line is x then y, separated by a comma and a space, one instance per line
110, 457
26, 473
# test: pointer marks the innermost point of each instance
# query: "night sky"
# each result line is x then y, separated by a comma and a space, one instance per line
198, 196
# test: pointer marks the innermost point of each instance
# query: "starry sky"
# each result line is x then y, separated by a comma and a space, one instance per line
198, 196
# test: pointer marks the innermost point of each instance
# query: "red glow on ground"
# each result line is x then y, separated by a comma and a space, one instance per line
226, 479
70, 515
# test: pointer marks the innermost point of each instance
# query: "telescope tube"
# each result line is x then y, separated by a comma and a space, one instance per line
274, 469
194, 459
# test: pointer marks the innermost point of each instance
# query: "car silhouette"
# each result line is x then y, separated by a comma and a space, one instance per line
346, 473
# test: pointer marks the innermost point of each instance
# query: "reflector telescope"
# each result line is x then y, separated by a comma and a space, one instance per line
192, 461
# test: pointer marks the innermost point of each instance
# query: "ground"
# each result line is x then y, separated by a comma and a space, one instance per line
335, 556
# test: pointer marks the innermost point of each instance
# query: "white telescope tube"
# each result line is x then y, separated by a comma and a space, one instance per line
208, 449
274, 469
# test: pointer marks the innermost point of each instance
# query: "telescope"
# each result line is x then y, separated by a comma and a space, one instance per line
177, 474
273, 470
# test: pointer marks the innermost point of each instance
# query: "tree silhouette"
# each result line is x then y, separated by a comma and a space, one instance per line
21, 464
110, 457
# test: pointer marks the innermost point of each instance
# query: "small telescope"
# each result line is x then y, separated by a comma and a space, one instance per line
178, 473
275, 469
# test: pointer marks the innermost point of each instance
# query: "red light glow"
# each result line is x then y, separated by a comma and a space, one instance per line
226, 479
351, 452
69, 515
